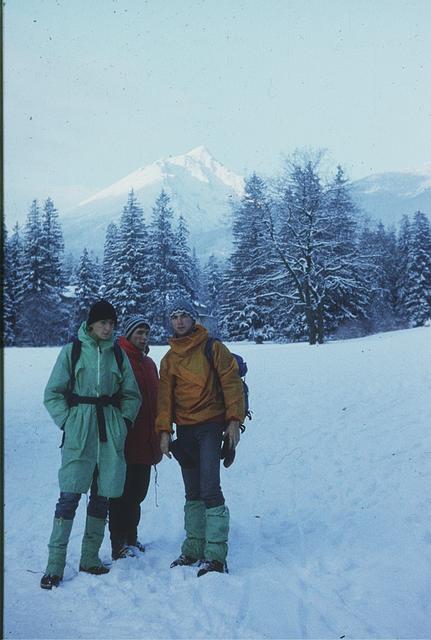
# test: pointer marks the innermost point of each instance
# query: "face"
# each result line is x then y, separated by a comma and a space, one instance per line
182, 324
140, 337
102, 329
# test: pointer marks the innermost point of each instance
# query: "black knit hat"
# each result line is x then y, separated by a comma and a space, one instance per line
101, 310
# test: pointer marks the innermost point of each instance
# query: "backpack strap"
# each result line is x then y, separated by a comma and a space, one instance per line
208, 350
76, 352
119, 355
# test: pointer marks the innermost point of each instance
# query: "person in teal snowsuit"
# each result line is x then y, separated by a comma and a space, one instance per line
95, 416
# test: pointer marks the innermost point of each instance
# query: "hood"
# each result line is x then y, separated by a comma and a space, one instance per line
188, 343
130, 348
84, 336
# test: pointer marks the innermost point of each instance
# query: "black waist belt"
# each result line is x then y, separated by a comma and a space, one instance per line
100, 402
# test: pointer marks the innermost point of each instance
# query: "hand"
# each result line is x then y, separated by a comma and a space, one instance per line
165, 438
232, 433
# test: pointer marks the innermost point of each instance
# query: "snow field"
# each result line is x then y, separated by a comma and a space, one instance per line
329, 501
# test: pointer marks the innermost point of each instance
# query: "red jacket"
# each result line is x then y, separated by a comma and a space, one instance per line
142, 442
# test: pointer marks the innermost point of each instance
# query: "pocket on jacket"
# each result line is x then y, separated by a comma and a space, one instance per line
119, 433
74, 432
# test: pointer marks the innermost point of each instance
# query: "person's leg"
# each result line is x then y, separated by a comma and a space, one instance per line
97, 512
137, 484
117, 525
62, 526
194, 509
216, 512
118, 513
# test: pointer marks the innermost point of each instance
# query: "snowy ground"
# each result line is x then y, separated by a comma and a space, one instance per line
329, 500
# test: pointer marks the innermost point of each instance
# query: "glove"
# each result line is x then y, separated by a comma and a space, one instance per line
165, 439
232, 434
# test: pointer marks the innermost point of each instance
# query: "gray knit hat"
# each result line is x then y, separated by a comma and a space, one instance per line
180, 305
133, 322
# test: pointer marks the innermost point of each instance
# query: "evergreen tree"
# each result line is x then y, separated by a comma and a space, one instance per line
13, 251
403, 252
133, 276
345, 266
164, 268
111, 263
417, 300
42, 318
52, 248
8, 335
186, 266
32, 298
213, 290
247, 307
86, 289
69, 267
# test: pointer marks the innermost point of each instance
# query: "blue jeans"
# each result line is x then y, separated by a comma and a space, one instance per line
203, 442
68, 503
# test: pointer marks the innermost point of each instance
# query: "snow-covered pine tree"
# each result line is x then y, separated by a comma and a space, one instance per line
110, 265
31, 320
42, 316
14, 248
87, 287
382, 310
212, 286
345, 266
417, 300
68, 268
163, 265
403, 248
247, 306
53, 247
133, 276
8, 333
185, 264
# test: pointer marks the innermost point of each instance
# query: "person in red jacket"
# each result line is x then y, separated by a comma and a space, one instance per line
142, 448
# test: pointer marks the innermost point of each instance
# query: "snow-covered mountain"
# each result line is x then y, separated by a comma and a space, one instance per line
199, 186
387, 196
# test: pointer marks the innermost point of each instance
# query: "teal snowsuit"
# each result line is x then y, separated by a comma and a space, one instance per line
96, 374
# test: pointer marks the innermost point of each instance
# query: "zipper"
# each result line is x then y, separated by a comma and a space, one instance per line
99, 351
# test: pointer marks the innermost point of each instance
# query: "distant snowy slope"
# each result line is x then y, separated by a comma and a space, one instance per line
329, 499
388, 196
199, 186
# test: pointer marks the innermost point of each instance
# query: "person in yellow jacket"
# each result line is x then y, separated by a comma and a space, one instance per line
207, 405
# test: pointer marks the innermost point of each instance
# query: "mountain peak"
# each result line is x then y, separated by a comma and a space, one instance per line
198, 163
200, 153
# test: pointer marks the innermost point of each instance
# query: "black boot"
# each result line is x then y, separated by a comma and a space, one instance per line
139, 546
48, 581
95, 571
184, 561
212, 565
119, 553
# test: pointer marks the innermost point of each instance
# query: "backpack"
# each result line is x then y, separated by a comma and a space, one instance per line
76, 352
242, 370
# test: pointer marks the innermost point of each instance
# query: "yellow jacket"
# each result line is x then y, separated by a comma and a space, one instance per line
190, 391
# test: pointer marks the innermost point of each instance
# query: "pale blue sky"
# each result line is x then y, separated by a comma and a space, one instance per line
95, 89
